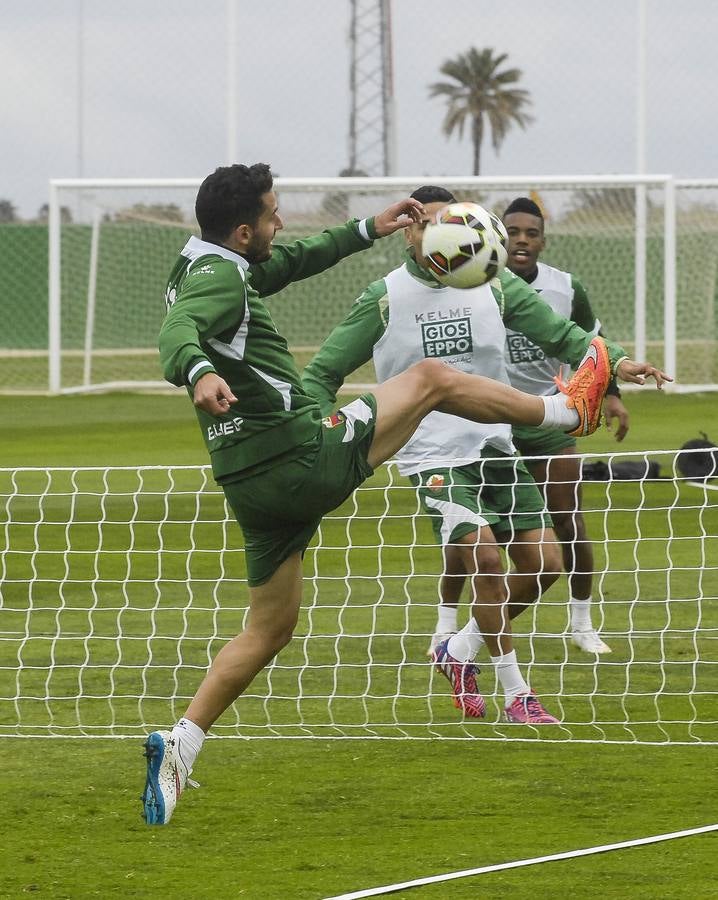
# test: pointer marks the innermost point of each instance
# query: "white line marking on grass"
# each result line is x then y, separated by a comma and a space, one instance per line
704, 485
570, 854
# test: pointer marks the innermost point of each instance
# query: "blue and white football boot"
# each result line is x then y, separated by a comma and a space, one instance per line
167, 777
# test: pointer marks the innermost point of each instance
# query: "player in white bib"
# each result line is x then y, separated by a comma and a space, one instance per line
550, 454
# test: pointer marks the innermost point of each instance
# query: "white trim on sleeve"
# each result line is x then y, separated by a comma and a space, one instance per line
364, 230
205, 363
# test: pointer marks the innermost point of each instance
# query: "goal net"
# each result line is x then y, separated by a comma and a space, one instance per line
645, 248
119, 585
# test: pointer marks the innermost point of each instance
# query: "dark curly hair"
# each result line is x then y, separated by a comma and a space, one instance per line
229, 197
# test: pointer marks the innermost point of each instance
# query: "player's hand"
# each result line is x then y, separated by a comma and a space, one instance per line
637, 373
398, 216
213, 394
614, 409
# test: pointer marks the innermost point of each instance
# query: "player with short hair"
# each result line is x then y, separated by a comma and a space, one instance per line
280, 466
558, 469
477, 494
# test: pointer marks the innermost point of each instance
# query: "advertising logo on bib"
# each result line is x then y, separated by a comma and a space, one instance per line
522, 350
447, 338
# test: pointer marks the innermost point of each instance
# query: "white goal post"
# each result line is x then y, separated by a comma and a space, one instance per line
646, 248
119, 585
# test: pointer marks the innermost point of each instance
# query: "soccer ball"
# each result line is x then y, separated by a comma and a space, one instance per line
466, 246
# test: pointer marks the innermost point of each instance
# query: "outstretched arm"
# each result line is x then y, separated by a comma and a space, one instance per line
309, 256
636, 372
526, 312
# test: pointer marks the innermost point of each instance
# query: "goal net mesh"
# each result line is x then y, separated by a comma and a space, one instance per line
119, 585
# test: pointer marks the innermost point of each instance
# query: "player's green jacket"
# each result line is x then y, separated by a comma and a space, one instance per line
217, 322
352, 342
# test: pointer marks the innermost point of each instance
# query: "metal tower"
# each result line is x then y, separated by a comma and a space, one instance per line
371, 117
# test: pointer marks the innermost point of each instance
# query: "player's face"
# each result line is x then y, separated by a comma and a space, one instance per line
526, 241
415, 232
259, 247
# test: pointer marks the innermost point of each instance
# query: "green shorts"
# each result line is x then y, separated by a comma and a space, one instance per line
496, 491
532, 441
280, 508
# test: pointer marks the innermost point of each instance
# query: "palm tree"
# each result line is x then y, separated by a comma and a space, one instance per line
481, 91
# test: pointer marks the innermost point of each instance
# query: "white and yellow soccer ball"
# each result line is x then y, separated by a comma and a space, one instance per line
465, 246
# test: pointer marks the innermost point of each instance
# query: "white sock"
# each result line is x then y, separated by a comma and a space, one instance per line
446, 622
192, 738
509, 674
557, 414
466, 644
580, 614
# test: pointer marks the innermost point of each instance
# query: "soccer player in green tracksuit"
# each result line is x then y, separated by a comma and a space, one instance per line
476, 493
280, 465
556, 467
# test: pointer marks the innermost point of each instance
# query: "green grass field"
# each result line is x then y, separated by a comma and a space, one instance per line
316, 818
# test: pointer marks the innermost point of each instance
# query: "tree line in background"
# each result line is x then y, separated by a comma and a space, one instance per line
8, 214
145, 212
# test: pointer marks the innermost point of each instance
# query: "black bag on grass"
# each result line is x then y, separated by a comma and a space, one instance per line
635, 470
702, 460
627, 470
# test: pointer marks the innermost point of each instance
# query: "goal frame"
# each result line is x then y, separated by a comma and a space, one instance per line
666, 183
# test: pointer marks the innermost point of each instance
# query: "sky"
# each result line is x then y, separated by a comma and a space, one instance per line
139, 88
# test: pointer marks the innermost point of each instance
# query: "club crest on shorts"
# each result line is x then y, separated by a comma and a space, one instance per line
435, 482
334, 420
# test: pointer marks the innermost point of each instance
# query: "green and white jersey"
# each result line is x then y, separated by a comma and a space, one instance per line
529, 368
408, 316
217, 322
